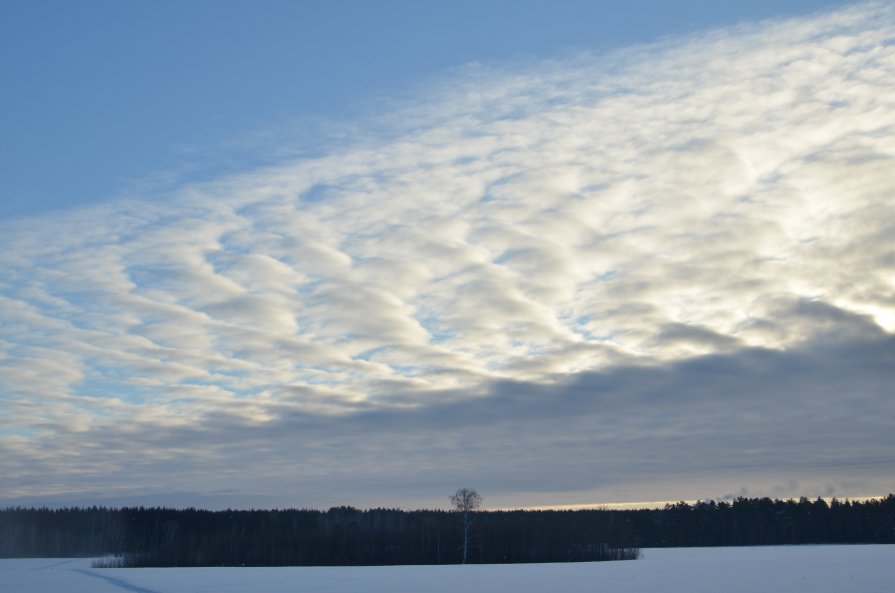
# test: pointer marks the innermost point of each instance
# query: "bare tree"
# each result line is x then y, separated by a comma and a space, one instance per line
466, 501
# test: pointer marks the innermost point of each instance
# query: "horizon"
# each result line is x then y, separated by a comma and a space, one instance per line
609, 506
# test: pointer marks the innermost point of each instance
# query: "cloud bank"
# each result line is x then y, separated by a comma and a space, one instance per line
665, 272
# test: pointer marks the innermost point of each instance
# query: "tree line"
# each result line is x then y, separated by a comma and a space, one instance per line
349, 536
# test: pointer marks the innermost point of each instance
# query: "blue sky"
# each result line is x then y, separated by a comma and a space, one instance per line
109, 98
272, 255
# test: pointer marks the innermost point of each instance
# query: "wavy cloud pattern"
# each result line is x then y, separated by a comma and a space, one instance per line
637, 271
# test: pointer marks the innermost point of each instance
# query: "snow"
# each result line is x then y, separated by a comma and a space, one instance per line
784, 569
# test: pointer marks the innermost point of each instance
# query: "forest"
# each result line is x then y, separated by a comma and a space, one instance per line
349, 536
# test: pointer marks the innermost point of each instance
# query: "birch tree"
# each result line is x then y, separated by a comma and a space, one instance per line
466, 502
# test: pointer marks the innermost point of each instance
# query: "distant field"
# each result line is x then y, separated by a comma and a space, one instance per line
786, 569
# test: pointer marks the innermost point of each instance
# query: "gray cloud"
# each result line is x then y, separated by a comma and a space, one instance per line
665, 268
817, 414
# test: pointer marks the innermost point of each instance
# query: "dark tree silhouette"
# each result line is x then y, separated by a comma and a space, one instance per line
349, 536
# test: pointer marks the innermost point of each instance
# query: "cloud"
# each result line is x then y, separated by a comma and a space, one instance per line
754, 416
612, 272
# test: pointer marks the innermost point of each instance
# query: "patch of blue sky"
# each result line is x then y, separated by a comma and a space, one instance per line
518, 113
227, 255
316, 193
431, 322
6, 395
465, 160
221, 373
594, 336
369, 355
587, 327
160, 277
372, 354
407, 371
309, 288
109, 388
508, 256
492, 191
594, 188
7, 429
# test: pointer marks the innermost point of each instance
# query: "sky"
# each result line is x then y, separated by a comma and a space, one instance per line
576, 253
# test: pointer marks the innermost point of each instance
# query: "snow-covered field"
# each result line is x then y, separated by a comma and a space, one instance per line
792, 569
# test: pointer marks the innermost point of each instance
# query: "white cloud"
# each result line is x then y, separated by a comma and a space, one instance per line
695, 197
